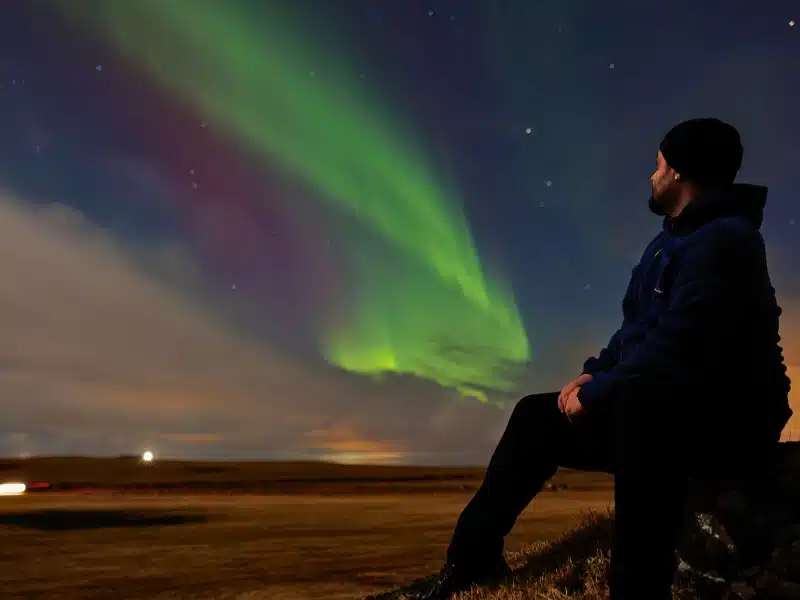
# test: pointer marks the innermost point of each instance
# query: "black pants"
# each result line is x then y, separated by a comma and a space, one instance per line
651, 443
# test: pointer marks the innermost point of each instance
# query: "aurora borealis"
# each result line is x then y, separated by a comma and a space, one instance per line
307, 229
254, 83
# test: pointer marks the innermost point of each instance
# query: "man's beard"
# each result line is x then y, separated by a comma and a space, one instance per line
663, 204
657, 207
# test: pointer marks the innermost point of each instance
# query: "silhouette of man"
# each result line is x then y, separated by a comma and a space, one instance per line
693, 384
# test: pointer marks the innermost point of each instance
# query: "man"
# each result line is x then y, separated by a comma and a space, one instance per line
693, 383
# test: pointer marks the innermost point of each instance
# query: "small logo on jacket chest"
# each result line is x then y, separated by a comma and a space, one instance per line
657, 290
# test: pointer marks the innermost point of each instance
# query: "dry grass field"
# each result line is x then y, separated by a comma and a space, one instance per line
115, 528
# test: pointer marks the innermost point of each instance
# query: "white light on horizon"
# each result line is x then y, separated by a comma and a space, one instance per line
12, 489
147, 456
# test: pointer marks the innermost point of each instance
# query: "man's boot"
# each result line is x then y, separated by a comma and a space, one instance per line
453, 579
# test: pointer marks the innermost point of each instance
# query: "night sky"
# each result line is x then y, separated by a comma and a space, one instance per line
351, 229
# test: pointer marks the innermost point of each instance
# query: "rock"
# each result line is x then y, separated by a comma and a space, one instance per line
742, 591
744, 535
787, 590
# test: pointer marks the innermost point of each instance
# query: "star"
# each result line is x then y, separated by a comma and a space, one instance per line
548, 183
791, 23
611, 66
430, 13
98, 68
528, 131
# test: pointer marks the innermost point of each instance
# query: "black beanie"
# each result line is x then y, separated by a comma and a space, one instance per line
705, 151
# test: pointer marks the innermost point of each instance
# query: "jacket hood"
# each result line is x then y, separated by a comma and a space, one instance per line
739, 199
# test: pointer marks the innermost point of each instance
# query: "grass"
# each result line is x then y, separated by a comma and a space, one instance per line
325, 531
573, 566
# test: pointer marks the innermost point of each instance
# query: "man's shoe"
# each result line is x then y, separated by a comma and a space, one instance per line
452, 580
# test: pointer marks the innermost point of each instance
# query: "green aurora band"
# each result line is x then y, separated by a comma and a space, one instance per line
422, 305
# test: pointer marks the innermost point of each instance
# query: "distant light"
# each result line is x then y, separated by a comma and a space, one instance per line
12, 489
791, 23
147, 456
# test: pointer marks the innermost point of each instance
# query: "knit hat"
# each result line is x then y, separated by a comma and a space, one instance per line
704, 151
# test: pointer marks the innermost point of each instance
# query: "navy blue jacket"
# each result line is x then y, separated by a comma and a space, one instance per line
700, 315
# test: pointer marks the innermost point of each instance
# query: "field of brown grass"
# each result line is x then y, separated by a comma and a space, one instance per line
197, 530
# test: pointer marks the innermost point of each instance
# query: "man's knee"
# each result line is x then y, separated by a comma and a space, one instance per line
536, 408
528, 442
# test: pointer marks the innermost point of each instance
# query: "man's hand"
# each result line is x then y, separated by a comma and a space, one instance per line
573, 407
571, 387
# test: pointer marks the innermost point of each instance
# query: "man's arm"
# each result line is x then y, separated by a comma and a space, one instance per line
708, 297
608, 357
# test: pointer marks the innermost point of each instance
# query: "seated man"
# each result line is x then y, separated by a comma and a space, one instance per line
693, 383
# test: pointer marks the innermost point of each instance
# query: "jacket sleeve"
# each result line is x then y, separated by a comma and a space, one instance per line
707, 298
607, 358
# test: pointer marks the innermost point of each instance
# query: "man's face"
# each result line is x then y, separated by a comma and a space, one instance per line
665, 195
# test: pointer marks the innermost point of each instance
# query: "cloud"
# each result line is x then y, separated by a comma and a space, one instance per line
790, 341
792, 429
192, 438
108, 348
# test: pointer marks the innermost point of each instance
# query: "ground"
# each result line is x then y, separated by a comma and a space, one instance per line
325, 531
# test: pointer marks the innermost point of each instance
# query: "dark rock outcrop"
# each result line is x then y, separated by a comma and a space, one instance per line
742, 537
